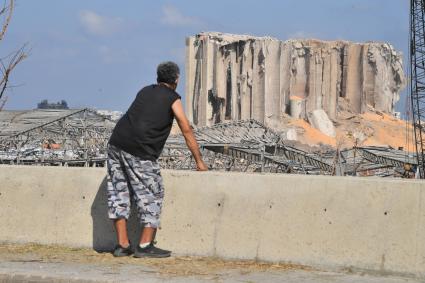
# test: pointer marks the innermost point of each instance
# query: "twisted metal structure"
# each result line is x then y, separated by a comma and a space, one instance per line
417, 76
79, 137
76, 137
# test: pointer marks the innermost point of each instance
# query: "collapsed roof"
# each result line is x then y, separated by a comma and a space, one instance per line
79, 137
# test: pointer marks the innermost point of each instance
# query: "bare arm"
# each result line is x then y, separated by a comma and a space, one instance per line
187, 132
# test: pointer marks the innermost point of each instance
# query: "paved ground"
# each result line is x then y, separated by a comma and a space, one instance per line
38, 264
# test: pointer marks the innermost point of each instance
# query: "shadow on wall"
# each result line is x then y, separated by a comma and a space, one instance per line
104, 238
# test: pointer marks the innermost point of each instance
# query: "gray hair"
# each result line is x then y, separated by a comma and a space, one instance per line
167, 72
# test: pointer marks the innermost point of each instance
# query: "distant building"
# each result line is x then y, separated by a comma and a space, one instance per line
44, 104
113, 115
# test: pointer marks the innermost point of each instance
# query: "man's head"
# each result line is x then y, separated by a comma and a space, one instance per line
168, 73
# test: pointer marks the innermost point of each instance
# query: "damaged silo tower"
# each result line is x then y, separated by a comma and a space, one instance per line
238, 77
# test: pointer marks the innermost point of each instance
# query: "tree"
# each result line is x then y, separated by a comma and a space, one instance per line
9, 62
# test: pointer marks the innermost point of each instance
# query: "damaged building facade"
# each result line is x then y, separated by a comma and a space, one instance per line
239, 77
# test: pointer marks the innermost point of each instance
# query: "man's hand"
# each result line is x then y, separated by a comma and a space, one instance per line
201, 166
187, 132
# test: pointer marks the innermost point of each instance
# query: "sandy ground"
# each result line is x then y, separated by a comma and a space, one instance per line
368, 129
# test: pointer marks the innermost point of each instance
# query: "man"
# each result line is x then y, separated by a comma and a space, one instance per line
135, 145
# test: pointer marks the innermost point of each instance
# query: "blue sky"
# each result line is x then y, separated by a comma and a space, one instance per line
99, 53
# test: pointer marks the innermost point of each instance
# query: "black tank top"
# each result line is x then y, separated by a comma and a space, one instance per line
144, 128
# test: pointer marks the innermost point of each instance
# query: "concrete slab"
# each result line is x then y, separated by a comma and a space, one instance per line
320, 120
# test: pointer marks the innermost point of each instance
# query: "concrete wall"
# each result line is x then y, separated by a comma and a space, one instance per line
337, 222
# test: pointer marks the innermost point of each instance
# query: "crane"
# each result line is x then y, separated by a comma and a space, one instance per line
3, 102
417, 78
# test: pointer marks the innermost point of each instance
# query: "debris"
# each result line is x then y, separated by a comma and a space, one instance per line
75, 137
79, 138
320, 120
289, 134
297, 104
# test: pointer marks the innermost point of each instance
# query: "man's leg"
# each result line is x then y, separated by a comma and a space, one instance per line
118, 200
148, 192
121, 230
147, 236
149, 195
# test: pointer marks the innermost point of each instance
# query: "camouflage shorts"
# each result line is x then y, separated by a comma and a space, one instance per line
129, 176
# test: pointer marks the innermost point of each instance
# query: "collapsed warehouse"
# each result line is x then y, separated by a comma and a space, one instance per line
79, 138
257, 104
75, 137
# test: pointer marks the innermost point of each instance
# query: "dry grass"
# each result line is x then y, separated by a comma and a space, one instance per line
177, 266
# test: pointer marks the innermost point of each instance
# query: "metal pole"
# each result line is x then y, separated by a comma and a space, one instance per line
263, 149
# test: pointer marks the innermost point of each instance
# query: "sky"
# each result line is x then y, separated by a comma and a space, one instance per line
99, 53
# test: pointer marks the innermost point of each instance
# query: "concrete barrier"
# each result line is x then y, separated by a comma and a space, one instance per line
335, 222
